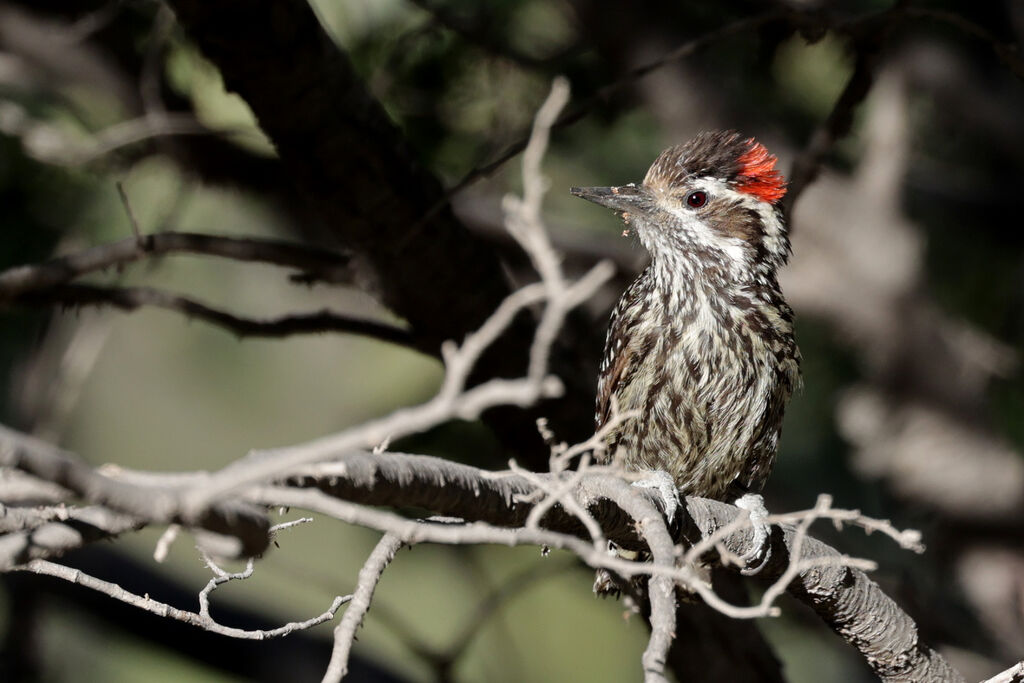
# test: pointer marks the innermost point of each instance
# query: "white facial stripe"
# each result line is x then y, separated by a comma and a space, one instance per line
735, 249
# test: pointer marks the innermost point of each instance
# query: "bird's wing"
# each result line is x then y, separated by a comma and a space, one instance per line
621, 355
617, 365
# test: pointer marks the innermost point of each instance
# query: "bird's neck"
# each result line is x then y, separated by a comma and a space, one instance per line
700, 284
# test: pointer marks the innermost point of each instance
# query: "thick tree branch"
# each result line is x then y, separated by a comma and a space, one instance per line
240, 521
31, 533
849, 602
350, 162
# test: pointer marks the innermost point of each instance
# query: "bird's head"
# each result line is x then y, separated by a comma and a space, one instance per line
713, 198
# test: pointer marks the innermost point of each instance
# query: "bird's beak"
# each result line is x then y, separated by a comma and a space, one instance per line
625, 198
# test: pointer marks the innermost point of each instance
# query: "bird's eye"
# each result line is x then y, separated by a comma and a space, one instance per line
697, 199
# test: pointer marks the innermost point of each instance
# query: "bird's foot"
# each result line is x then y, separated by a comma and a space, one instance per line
757, 557
666, 485
605, 584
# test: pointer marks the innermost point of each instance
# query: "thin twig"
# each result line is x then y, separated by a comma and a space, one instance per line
133, 298
345, 632
562, 493
479, 36
162, 609
596, 443
602, 96
131, 214
163, 544
908, 539
493, 601
1009, 53
313, 263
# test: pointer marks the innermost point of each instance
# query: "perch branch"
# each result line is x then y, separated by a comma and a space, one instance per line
843, 596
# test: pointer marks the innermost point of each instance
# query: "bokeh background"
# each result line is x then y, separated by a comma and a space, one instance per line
907, 279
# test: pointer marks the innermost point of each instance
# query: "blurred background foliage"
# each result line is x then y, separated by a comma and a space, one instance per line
462, 80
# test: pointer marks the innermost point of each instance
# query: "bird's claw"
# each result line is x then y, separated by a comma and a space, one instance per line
666, 485
757, 557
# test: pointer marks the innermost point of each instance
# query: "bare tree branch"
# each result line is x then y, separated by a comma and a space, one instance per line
1015, 674
132, 298
820, 575
345, 632
148, 604
853, 605
240, 521
661, 590
31, 533
843, 596
314, 264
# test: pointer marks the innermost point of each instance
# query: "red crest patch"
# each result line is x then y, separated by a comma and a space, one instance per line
758, 175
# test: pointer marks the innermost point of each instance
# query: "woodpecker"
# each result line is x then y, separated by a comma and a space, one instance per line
701, 344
